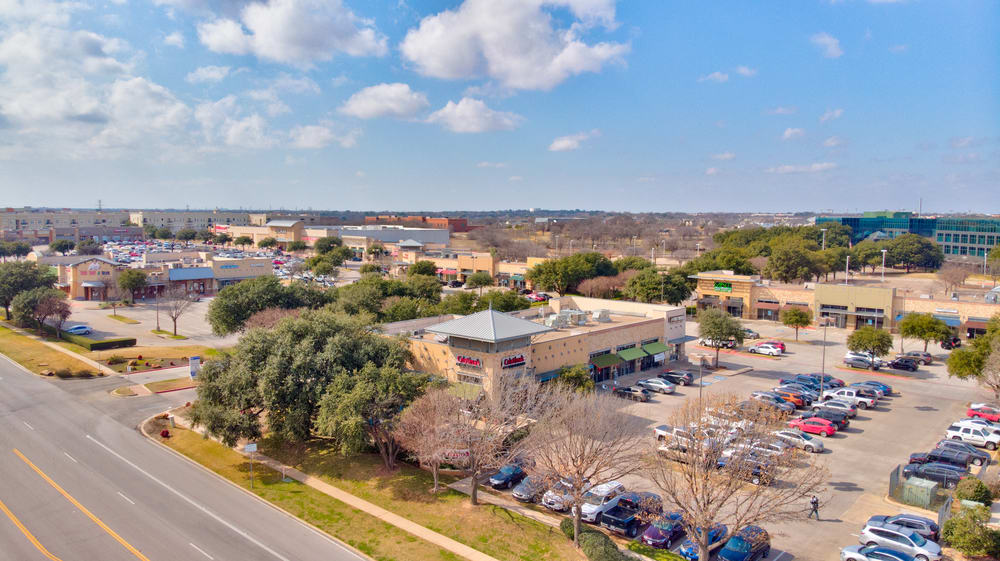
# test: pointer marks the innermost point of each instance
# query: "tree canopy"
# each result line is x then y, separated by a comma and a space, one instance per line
422, 267
868, 339
62, 246
717, 326
796, 319
234, 304
925, 327
243, 241
576, 377
267, 242
89, 247
21, 276
914, 251
325, 245
32, 307
649, 286
969, 361
187, 234
132, 281
565, 273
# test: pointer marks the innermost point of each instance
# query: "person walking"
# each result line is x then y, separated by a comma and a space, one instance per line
813, 507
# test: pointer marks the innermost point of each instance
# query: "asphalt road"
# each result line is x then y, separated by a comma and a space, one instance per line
87, 487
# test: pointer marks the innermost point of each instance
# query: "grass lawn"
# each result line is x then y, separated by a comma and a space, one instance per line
653, 553
169, 385
367, 533
491, 529
123, 391
123, 319
144, 364
168, 334
150, 353
36, 356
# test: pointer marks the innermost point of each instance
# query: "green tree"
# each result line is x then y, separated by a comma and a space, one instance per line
633, 262
649, 286
868, 254
323, 267
577, 378
502, 301
267, 242
675, 289
925, 327
89, 247
243, 241
967, 532
21, 276
361, 409
33, 307
297, 245
62, 246
206, 236
717, 327
834, 259
281, 374
18, 249
403, 308
163, 233
789, 264
459, 303
223, 238
132, 281
993, 260
912, 250
325, 245
969, 362
235, 303
427, 268
370, 268
564, 274
796, 319
868, 339
424, 287
479, 280
973, 489
186, 234
375, 250
149, 230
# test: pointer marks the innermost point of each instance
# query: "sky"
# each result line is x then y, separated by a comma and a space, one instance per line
408, 105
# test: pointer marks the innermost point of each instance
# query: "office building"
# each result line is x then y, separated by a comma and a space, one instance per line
973, 237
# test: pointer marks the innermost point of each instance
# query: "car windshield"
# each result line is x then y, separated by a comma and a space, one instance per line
917, 539
663, 524
738, 545
508, 470
592, 499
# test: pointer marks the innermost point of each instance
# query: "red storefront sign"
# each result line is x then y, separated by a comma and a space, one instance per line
468, 361
513, 361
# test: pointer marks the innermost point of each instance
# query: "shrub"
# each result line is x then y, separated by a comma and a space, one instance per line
64, 373
164, 433
116, 359
595, 545
967, 532
973, 489
994, 486
566, 525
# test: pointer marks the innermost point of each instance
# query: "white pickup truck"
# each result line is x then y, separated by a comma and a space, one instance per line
850, 396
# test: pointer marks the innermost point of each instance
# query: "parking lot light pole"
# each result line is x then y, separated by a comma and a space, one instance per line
883, 264
824, 237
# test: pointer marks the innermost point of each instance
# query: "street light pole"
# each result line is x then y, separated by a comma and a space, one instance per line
824, 237
847, 271
156, 300
883, 264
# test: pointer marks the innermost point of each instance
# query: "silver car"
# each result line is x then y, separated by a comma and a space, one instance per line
799, 439
657, 385
901, 539
838, 406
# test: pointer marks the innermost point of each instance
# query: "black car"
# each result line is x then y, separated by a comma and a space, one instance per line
508, 476
948, 476
943, 456
631, 513
455, 284
978, 456
904, 363
679, 377
760, 474
836, 417
952, 343
634, 393
801, 380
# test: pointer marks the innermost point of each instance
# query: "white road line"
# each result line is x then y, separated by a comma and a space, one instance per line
217, 518
780, 555
27, 425
126, 498
201, 551
71, 457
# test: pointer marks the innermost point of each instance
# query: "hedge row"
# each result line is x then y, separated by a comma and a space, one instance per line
94, 344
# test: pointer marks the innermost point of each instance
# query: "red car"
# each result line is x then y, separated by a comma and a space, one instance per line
814, 425
778, 344
985, 412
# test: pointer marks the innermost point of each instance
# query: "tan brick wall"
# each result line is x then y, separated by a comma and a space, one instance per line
965, 310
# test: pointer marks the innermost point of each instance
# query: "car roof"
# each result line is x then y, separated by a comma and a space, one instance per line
605, 488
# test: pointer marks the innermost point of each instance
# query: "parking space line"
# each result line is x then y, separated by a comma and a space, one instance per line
780, 555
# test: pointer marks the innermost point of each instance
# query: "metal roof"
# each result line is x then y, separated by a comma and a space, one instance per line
191, 273
490, 326
282, 223
410, 243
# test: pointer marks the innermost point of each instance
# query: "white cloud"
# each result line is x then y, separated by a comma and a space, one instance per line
223, 124
515, 178
298, 32
964, 142
723, 156
312, 136
472, 115
833, 142
899, 49
808, 168
210, 74
284, 83
491, 165
792, 133
718, 77
828, 44
360, 174
830, 115
711, 171
385, 100
746, 71
783, 110
514, 43
175, 39
573, 141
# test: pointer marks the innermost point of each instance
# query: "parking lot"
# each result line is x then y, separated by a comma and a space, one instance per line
192, 324
859, 458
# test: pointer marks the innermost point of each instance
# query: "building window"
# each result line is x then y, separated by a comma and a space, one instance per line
623, 347
963, 250
467, 378
940, 237
965, 238
947, 237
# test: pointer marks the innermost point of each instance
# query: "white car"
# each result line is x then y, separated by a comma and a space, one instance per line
850, 396
599, 500
865, 356
78, 330
559, 497
657, 385
765, 349
774, 447
838, 406
975, 436
981, 424
800, 439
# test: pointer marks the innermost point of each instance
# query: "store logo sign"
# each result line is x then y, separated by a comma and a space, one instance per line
723, 286
468, 361
513, 361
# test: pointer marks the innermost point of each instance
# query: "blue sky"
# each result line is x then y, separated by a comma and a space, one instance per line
479, 104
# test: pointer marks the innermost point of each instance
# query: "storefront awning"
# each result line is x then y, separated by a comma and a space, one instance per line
517, 277
606, 360
767, 305
655, 348
867, 314
950, 321
976, 323
448, 271
546, 376
92, 284
631, 354
684, 339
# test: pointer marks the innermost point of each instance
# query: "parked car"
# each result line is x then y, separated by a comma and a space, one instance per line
773, 400
807, 391
802, 380
779, 344
837, 406
919, 524
951, 343
663, 531
730, 344
530, 489
974, 436
78, 330
978, 456
765, 349
886, 388
944, 474
871, 358
814, 425
924, 358
980, 423
900, 538
762, 449
850, 395
600, 499
839, 419
558, 498
507, 477
800, 439
860, 362
716, 534
826, 380
628, 516
872, 553
634, 393
455, 284
750, 334
796, 398
679, 377
749, 468
904, 363
956, 458
865, 390
752, 543
657, 385
985, 412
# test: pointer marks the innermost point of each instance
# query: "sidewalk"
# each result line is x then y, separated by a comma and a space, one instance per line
378, 512
465, 486
94, 364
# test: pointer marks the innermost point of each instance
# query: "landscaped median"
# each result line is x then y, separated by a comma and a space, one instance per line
176, 384
123, 319
39, 358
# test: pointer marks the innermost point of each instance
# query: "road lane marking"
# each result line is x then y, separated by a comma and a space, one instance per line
126, 498
71, 457
82, 508
31, 538
27, 425
190, 501
780, 555
201, 551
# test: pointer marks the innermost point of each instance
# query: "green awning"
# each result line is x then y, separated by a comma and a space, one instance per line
655, 348
517, 277
632, 354
606, 360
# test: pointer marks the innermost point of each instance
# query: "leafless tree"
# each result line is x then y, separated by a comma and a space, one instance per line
269, 317
584, 440
952, 275
176, 302
990, 378
426, 428
752, 487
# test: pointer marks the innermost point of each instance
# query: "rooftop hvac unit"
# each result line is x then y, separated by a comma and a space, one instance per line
555, 321
418, 332
578, 317
602, 316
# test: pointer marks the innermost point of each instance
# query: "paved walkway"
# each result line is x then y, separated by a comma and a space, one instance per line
465, 486
81, 358
396, 520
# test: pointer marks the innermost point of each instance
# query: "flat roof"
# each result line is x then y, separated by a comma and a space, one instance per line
593, 326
